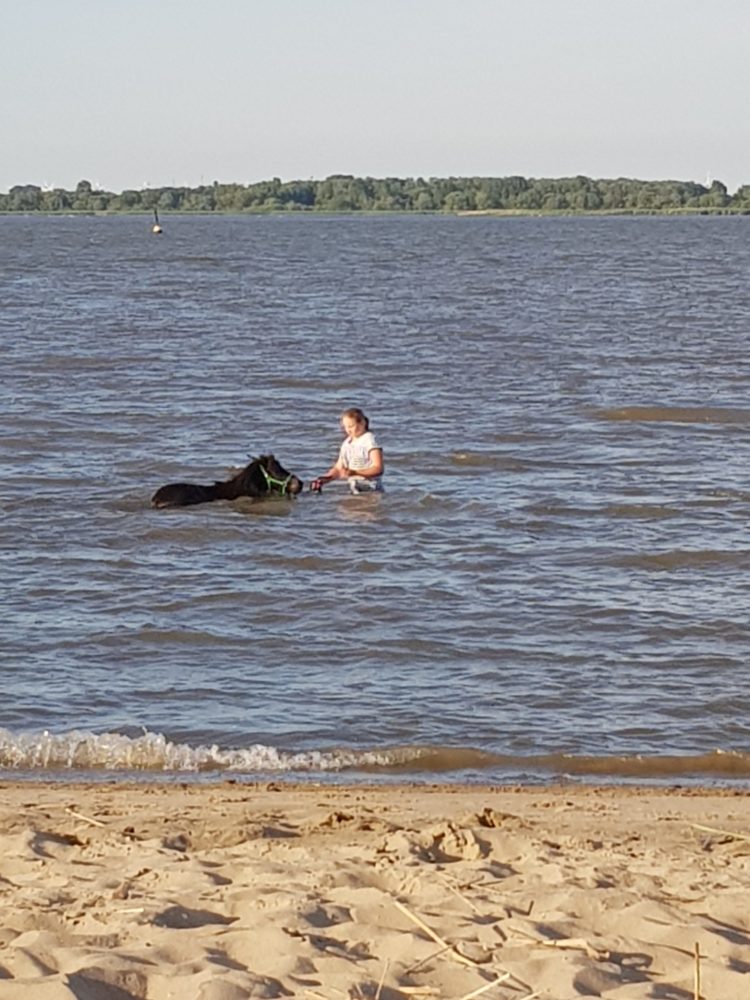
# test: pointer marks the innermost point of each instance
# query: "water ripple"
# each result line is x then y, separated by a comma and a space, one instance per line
555, 580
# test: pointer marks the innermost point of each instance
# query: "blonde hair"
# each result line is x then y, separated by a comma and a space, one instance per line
354, 413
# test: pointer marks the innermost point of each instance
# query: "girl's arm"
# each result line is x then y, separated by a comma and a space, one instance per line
337, 471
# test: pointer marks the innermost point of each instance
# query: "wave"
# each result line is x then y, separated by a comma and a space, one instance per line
678, 559
677, 414
648, 511
86, 752
487, 460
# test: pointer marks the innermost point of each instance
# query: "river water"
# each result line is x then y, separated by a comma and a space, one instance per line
555, 582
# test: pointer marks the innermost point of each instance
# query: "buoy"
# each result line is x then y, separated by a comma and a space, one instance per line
156, 228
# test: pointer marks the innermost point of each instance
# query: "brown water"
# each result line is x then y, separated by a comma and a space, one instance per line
555, 582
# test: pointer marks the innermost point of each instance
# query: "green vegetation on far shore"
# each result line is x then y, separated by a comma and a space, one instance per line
345, 193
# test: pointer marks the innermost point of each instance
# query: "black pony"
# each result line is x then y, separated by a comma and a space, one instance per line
262, 477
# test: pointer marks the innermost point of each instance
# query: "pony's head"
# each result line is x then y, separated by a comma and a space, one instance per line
276, 477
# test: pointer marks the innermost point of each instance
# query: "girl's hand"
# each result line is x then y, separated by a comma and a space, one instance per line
316, 485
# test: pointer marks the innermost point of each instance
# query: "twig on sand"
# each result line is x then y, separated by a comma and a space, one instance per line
86, 819
435, 937
487, 986
697, 971
447, 946
382, 978
428, 958
574, 944
461, 896
722, 833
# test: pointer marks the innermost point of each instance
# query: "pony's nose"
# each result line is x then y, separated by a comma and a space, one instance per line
295, 485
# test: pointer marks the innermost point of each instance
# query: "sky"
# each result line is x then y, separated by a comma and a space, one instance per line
150, 93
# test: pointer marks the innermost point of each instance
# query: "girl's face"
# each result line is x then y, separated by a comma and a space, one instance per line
351, 427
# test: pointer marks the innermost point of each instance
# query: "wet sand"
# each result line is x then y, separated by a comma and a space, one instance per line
228, 891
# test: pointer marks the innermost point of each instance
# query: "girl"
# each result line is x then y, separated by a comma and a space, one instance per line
360, 459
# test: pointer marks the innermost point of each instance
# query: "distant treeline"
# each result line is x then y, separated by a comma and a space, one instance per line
344, 193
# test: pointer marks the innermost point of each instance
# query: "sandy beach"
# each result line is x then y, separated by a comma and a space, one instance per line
228, 891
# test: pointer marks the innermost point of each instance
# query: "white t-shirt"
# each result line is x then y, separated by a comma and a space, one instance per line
355, 454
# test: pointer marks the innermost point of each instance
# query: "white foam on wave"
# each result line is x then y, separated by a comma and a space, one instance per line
85, 751
82, 752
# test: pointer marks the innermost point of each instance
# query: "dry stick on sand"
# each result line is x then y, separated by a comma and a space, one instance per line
428, 958
697, 971
574, 944
382, 978
446, 946
86, 819
435, 937
722, 833
456, 892
487, 986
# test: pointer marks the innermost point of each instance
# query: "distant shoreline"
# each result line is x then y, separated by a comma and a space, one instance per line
345, 193
502, 213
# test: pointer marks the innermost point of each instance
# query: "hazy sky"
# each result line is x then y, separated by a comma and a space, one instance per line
127, 93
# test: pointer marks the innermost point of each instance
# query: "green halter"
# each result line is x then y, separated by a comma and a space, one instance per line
271, 482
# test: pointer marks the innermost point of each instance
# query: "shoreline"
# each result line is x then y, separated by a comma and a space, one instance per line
226, 890
500, 213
